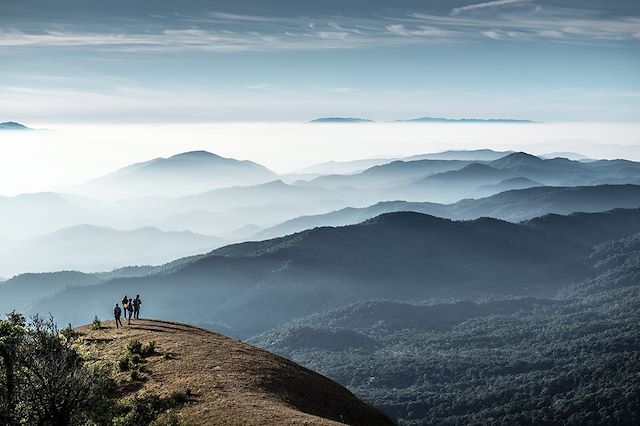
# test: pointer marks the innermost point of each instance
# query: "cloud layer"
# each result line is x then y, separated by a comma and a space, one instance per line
218, 31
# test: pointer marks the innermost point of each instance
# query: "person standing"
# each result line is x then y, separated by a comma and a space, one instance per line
125, 305
136, 307
117, 312
130, 309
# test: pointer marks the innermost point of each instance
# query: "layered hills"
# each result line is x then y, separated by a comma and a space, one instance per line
514, 205
247, 288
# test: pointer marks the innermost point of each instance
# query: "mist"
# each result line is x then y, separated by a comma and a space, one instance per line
69, 154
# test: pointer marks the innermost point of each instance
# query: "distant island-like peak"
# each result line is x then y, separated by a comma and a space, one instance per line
12, 125
464, 120
341, 120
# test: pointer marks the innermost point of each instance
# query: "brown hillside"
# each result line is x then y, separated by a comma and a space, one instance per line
232, 383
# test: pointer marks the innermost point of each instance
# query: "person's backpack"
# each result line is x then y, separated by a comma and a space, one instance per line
117, 311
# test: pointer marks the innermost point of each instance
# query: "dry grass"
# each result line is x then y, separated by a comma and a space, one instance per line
232, 383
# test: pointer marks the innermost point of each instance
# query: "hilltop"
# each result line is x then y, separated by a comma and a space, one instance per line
226, 381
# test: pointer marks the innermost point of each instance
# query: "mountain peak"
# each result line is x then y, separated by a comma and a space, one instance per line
195, 155
517, 159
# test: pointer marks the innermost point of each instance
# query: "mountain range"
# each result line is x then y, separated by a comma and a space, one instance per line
422, 120
514, 206
356, 166
244, 289
463, 120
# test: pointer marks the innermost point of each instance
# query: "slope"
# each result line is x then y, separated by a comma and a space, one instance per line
571, 360
229, 382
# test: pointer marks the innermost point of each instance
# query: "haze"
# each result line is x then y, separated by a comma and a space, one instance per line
70, 154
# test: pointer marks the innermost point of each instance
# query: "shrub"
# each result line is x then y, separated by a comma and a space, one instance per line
135, 358
170, 418
96, 324
149, 350
69, 333
135, 374
168, 355
123, 363
150, 410
134, 347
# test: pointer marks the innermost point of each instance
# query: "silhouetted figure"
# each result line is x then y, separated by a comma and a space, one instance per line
136, 307
117, 312
130, 310
125, 305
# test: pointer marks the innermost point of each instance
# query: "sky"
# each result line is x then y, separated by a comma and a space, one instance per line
159, 61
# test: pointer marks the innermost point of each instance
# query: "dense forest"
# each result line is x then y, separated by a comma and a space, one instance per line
570, 360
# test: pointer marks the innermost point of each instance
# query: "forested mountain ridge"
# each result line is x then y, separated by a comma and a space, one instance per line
569, 360
247, 288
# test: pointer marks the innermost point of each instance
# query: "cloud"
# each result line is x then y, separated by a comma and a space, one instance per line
420, 31
227, 32
489, 4
238, 17
535, 22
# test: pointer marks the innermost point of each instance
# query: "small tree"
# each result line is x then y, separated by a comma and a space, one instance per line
12, 334
59, 385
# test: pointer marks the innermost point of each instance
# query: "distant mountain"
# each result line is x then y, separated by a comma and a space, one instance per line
449, 187
351, 167
465, 155
12, 125
182, 174
18, 293
275, 192
341, 120
91, 249
464, 120
513, 205
389, 175
251, 287
506, 185
570, 155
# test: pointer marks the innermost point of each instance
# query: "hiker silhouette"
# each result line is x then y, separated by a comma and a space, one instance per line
136, 307
116, 314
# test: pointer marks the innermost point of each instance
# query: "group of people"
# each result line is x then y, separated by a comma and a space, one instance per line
131, 306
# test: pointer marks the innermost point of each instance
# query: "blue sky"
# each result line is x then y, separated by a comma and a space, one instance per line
236, 60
